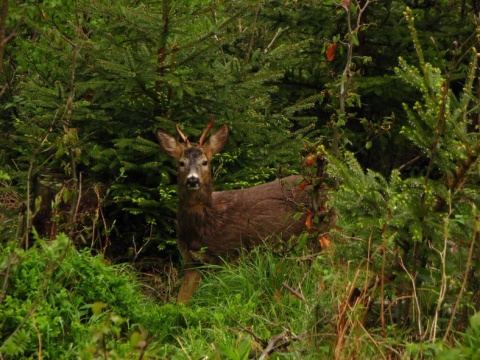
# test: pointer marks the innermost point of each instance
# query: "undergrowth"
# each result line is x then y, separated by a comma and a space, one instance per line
60, 303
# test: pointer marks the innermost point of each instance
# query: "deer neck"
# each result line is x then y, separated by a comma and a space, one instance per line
195, 212
195, 202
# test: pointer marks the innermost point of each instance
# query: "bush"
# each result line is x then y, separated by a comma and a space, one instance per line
59, 303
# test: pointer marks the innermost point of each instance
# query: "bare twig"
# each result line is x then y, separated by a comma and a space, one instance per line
443, 286
280, 341
277, 34
345, 78
415, 297
475, 240
295, 293
409, 162
271, 344
137, 250
250, 332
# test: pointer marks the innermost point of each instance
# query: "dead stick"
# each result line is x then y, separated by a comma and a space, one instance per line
255, 336
271, 344
294, 292
285, 341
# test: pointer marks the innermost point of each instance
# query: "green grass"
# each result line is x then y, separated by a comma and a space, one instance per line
59, 303
249, 304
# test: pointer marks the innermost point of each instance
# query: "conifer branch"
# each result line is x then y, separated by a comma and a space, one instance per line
4, 38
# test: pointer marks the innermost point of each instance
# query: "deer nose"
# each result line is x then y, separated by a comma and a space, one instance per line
193, 181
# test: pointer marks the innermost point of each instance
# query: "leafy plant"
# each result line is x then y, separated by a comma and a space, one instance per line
470, 347
60, 303
418, 231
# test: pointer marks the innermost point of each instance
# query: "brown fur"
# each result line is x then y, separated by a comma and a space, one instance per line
216, 225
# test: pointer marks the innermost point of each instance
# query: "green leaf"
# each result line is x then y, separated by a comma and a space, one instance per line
97, 307
475, 321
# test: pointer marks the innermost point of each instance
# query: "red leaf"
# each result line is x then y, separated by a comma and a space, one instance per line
302, 185
325, 242
310, 160
345, 3
331, 51
308, 221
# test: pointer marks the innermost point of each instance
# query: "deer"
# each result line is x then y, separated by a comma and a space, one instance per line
216, 225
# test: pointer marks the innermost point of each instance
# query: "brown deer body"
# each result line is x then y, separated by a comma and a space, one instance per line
216, 225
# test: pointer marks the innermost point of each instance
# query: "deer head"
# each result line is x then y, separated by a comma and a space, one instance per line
194, 161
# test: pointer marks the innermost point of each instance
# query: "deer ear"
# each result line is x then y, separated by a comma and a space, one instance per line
217, 141
169, 144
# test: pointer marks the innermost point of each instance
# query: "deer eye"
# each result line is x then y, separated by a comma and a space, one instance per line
182, 163
205, 163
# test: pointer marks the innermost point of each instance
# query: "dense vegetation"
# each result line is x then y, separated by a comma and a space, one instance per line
377, 102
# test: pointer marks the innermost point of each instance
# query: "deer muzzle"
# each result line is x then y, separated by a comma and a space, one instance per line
193, 182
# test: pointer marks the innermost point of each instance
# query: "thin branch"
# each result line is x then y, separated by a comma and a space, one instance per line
255, 336
295, 293
409, 162
280, 341
252, 37
272, 344
475, 239
277, 34
443, 286
415, 297
346, 73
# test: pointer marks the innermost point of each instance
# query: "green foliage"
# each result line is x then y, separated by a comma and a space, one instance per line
471, 347
90, 81
115, 73
423, 226
60, 303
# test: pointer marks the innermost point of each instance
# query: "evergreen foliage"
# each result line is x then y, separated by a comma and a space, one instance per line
424, 226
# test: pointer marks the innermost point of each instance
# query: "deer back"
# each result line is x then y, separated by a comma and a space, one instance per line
244, 218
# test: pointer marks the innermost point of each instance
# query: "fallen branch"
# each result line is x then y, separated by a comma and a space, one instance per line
283, 339
250, 332
294, 293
